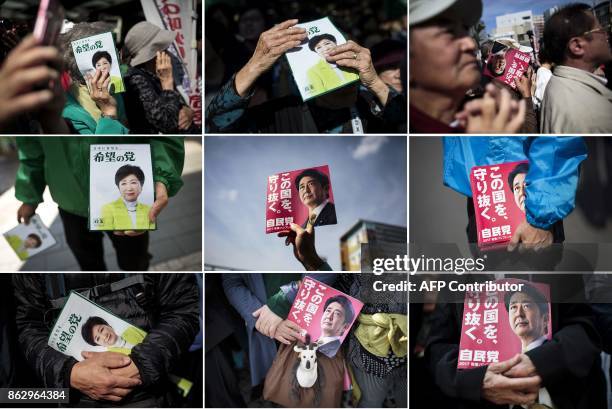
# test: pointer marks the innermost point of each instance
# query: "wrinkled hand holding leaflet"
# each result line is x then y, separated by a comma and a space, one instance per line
99, 52
313, 75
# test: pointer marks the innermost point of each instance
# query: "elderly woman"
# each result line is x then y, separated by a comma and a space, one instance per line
154, 105
90, 107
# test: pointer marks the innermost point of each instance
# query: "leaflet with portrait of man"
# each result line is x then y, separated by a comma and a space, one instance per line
98, 53
313, 74
497, 325
27, 240
499, 193
300, 196
324, 313
505, 64
121, 189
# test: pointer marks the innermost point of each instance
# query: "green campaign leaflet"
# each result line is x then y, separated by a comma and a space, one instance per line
99, 52
121, 190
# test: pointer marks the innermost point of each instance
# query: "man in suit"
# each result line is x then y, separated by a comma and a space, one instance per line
335, 321
313, 190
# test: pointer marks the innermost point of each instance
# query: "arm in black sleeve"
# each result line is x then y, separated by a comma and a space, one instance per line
51, 366
574, 348
177, 325
161, 109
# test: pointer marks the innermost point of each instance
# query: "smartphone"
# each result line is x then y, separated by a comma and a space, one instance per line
49, 22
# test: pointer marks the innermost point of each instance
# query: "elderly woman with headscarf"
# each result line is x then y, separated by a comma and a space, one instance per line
154, 104
90, 107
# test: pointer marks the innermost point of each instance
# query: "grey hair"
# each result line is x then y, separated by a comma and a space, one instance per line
78, 31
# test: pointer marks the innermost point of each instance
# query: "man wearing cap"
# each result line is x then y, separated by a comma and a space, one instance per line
443, 67
576, 100
369, 107
313, 190
152, 102
387, 57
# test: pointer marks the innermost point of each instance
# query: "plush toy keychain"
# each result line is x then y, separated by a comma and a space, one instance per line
307, 370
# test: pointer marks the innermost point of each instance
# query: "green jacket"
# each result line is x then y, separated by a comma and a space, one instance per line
322, 77
62, 163
85, 124
115, 217
133, 336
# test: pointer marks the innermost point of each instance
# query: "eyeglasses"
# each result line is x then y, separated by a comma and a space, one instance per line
602, 29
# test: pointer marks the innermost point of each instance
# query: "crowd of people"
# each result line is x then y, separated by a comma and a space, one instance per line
567, 88
44, 91
249, 85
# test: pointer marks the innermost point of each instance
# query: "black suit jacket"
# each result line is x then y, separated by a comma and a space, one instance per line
569, 364
327, 216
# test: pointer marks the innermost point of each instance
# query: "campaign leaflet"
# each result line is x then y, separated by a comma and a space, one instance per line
99, 52
121, 189
295, 195
85, 326
313, 75
498, 192
324, 313
506, 65
497, 325
30, 239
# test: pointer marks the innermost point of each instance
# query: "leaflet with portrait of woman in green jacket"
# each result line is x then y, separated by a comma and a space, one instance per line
121, 189
313, 74
85, 326
29, 239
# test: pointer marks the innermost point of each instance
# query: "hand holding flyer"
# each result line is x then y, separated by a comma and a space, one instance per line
324, 313
507, 64
299, 196
313, 75
98, 53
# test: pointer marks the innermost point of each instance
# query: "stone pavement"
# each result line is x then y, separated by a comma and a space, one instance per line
176, 245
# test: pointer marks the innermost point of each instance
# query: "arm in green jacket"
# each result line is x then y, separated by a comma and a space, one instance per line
168, 160
30, 181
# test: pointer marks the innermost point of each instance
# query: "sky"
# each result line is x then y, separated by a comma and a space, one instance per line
494, 8
368, 178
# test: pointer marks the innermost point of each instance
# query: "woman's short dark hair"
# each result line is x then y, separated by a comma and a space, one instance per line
101, 54
520, 168
312, 43
315, 174
127, 170
571, 21
36, 238
87, 329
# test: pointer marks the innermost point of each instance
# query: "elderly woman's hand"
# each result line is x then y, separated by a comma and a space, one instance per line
98, 90
352, 55
163, 69
272, 44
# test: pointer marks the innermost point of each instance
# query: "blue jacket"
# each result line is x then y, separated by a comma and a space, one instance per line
247, 293
553, 169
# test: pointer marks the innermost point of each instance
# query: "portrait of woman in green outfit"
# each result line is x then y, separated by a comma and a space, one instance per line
126, 213
103, 61
324, 76
97, 332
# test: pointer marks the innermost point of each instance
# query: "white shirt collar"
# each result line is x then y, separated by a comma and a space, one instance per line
535, 343
317, 210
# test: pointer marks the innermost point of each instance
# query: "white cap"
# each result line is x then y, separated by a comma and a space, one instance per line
467, 11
